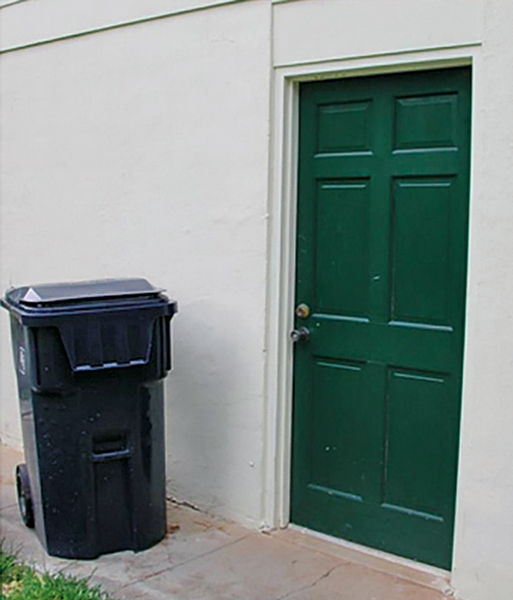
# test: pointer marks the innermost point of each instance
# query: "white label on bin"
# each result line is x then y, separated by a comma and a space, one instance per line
32, 295
22, 361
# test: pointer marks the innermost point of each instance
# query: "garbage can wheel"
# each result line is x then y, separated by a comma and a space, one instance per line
24, 497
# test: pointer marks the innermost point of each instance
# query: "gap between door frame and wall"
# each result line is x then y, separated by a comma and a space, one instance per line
282, 258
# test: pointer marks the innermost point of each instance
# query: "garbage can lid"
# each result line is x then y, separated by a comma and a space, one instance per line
49, 293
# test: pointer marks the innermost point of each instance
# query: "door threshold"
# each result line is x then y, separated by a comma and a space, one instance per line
397, 566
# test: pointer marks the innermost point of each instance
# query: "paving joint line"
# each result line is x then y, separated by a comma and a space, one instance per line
181, 564
310, 585
374, 568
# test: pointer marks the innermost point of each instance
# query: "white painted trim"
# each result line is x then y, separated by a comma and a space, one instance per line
282, 232
207, 4
11, 3
281, 278
380, 55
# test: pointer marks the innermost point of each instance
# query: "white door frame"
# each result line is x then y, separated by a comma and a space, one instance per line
282, 242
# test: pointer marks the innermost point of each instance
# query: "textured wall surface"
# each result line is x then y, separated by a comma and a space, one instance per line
484, 528
143, 151
323, 30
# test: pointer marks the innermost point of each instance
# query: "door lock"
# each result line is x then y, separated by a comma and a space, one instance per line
300, 335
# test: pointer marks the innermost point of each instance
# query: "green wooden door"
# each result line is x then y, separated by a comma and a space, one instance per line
381, 262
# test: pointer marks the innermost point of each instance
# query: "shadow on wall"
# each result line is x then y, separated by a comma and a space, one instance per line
205, 408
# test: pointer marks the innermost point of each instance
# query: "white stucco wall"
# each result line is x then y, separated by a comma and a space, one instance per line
144, 150
26, 22
325, 30
484, 529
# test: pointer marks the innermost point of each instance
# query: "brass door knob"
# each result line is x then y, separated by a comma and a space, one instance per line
302, 311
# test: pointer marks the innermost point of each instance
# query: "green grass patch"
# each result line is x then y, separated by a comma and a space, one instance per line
20, 582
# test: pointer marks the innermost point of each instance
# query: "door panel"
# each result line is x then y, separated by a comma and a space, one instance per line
342, 220
415, 428
420, 237
345, 127
381, 261
338, 446
426, 122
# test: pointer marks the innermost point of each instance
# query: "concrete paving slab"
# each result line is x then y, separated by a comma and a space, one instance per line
255, 568
211, 559
353, 582
409, 570
22, 541
197, 535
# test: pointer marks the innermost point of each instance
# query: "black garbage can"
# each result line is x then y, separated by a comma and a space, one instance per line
90, 360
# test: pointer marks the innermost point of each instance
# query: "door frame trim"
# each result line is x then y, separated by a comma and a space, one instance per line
282, 209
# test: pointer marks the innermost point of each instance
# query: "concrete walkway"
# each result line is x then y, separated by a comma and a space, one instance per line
210, 559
